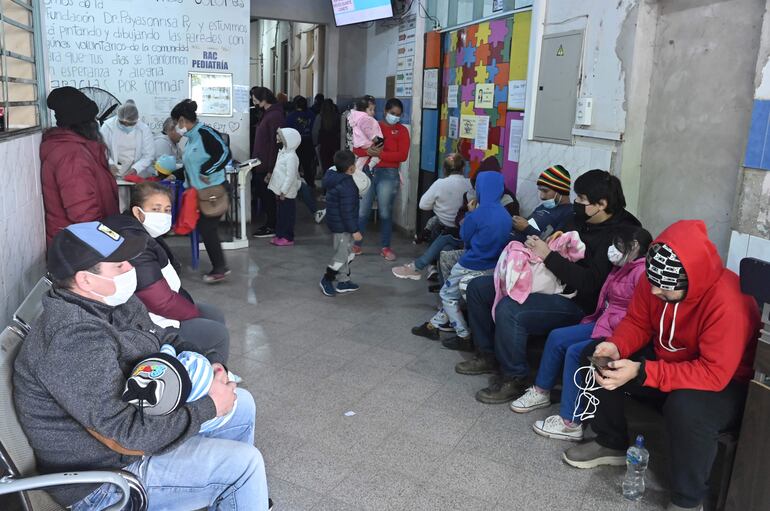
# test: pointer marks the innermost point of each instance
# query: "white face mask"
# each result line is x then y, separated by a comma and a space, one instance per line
156, 223
181, 131
615, 256
392, 119
125, 285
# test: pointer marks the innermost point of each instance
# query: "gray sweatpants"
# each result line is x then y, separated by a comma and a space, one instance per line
343, 255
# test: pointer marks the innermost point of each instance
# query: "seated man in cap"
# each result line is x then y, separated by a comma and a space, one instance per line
703, 332
129, 142
72, 370
555, 208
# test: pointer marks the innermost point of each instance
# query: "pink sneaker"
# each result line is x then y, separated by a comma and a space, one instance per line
388, 254
281, 242
357, 250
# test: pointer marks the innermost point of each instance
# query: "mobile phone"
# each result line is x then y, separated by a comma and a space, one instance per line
600, 362
378, 141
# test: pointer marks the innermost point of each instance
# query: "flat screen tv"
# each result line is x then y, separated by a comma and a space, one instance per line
349, 12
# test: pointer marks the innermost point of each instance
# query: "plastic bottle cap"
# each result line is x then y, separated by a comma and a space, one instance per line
640, 441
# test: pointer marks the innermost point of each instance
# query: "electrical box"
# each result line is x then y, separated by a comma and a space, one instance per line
584, 111
557, 87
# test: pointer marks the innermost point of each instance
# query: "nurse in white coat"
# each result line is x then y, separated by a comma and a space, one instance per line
129, 143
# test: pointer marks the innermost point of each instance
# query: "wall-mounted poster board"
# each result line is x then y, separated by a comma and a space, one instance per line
213, 92
479, 62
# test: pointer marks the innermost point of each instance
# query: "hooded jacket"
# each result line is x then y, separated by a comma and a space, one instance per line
615, 297
485, 230
341, 201
703, 342
285, 177
265, 146
205, 155
587, 276
395, 150
68, 380
156, 261
77, 183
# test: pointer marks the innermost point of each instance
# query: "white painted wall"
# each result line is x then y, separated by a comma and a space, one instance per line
602, 78
22, 224
381, 58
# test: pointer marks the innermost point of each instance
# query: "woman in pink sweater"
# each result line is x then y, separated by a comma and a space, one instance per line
564, 345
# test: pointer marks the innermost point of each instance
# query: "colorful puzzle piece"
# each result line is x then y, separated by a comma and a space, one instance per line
491, 73
482, 75
482, 54
469, 35
482, 33
466, 107
494, 116
459, 55
469, 56
468, 91
501, 78
442, 141
443, 127
499, 30
501, 94
444, 112
469, 74
494, 135
493, 150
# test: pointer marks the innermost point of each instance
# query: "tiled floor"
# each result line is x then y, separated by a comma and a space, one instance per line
418, 439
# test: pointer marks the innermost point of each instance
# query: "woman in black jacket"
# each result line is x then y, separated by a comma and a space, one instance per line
502, 343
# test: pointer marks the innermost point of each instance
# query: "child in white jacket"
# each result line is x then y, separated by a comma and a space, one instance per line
285, 183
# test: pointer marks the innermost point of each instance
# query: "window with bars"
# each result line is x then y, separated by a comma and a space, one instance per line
21, 96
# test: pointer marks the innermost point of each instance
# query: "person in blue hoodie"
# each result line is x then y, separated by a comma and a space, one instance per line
485, 231
342, 218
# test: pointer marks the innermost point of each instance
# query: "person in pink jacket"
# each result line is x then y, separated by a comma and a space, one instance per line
564, 345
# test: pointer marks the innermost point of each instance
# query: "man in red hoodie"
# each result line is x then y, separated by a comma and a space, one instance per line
704, 332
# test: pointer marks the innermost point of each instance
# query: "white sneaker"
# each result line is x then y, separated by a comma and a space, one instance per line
554, 427
407, 271
320, 215
531, 400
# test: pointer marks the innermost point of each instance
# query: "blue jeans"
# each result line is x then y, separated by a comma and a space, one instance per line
564, 345
385, 185
286, 218
219, 470
506, 336
307, 197
430, 256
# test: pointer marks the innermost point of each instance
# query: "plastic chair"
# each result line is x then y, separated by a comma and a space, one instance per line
32, 306
18, 460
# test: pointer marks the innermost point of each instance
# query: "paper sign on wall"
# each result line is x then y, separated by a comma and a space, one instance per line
430, 88
454, 127
482, 132
517, 93
452, 96
485, 95
467, 126
241, 98
515, 131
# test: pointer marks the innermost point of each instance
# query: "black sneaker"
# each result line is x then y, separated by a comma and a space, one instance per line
502, 390
264, 232
426, 330
327, 287
269, 504
434, 288
482, 363
458, 343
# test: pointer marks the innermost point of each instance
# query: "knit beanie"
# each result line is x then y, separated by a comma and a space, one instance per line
556, 178
664, 269
71, 106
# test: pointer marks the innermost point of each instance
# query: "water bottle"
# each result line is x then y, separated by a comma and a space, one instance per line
637, 459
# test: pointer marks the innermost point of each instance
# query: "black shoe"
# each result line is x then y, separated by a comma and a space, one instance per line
264, 232
458, 343
483, 363
426, 330
269, 504
434, 288
502, 390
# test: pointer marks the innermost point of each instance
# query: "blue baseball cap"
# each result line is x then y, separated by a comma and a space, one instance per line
81, 246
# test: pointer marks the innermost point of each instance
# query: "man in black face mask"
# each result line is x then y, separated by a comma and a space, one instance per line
502, 343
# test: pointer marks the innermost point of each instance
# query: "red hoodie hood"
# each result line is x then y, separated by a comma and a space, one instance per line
707, 339
690, 242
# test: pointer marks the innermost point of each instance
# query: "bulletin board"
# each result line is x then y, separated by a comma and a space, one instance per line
479, 64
